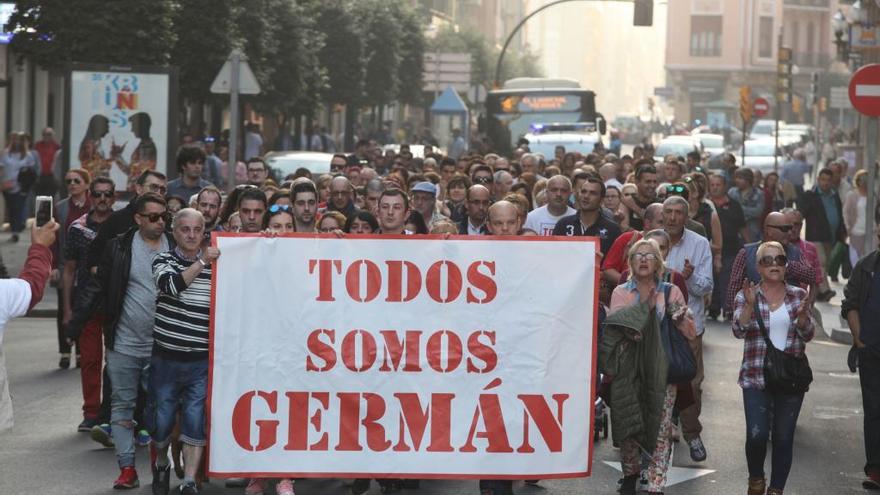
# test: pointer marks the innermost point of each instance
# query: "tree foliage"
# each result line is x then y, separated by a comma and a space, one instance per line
132, 32
205, 32
341, 54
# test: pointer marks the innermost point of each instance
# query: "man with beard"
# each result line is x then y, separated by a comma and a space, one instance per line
304, 197
208, 204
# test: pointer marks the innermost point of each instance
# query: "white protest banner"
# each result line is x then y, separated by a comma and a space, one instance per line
402, 357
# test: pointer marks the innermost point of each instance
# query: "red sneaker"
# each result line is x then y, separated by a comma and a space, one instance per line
128, 478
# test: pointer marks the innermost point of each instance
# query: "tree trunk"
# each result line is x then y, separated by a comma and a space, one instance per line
350, 114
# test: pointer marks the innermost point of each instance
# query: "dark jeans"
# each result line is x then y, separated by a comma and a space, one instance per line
17, 211
722, 280
869, 376
768, 412
63, 346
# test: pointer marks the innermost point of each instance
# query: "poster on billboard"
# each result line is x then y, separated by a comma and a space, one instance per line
120, 121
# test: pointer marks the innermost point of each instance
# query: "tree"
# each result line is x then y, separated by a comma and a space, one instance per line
206, 33
342, 58
131, 32
410, 73
382, 51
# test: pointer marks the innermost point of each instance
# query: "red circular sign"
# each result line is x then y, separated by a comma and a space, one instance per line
864, 90
760, 107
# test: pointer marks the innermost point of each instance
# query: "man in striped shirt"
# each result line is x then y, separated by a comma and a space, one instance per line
179, 365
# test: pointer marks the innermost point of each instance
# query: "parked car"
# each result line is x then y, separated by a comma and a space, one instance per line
761, 154
764, 128
677, 145
713, 144
284, 163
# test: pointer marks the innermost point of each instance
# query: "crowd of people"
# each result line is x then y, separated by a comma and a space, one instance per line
680, 244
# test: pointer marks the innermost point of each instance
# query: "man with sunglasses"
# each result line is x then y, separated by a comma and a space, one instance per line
76, 276
124, 287
65, 212
777, 227
478, 199
121, 221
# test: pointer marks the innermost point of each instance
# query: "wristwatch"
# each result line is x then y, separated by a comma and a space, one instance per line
203, 262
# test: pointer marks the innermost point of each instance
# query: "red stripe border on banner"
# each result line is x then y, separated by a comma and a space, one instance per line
592, 385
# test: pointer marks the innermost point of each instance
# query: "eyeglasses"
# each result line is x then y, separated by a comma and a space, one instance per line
155, 217
72, 181
279, 208
101, 194
779, 259
482, 179
157, 188
644, 256
783, 228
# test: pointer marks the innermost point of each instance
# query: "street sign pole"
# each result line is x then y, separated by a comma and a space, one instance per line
776, 140
870, 162
233, 120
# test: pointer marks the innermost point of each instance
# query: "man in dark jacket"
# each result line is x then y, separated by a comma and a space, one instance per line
861, 301
823, 215
122, 221
477, 204
124, 285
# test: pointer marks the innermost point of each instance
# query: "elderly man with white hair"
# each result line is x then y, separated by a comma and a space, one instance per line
179, 364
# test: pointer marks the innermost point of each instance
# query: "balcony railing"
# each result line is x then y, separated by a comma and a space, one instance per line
826, 4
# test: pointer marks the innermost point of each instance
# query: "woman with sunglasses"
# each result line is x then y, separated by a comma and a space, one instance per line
782, 312
629, 355
278, 220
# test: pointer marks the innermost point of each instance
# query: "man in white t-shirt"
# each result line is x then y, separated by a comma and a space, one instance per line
542, 220
18, 295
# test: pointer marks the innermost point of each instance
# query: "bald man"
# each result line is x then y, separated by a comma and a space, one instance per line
543, 220
503, 218
777, 227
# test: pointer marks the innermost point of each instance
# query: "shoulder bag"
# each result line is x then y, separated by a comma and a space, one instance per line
784, 373
682, 365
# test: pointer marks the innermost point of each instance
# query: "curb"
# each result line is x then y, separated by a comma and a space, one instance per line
42, 313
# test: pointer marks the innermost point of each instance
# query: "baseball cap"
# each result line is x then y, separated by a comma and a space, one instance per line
425, 187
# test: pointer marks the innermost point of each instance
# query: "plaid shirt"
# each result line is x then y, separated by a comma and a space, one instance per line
751, 374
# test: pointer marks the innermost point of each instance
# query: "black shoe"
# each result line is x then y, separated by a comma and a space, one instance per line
628, 487
188, 489
87, 425
834, 279
698, 450
826, 295
64, 362
14, 238
162, 479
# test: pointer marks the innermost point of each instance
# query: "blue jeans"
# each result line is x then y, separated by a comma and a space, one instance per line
183, 384
127, 374
766, 412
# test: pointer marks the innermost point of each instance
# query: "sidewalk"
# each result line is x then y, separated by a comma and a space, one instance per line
836, 328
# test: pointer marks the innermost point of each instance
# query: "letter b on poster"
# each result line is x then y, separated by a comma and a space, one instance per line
403, 357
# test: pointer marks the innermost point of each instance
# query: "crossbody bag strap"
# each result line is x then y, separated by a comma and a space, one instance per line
760, 319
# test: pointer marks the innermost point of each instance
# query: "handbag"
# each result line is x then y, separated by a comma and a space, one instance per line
783, 372
682, 365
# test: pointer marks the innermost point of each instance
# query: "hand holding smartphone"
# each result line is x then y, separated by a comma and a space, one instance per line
43, 210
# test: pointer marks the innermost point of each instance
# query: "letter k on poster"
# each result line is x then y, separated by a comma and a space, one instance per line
402, 357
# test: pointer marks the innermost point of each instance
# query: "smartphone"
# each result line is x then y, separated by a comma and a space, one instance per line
43, 210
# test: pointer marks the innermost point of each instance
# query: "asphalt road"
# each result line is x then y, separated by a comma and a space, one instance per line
44, 454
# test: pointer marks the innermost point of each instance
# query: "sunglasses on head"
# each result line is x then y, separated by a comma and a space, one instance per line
101, 194
278, 208
783, 228
242, 187
779, 260
677, 189
155, 217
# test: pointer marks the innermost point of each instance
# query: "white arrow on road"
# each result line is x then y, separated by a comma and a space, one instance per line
675, 475
867, 89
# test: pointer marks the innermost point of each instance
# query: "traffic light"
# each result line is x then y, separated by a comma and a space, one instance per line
643, 13
814, 89
745, 103
783, 74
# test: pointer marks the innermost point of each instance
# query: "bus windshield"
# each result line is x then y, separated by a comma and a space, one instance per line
513, 114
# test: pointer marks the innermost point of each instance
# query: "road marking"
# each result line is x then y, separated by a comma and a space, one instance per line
867, 89
674, 476
829, 344
831, 412
852, 376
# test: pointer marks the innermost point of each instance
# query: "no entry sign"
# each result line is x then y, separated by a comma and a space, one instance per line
864, 90
760, 107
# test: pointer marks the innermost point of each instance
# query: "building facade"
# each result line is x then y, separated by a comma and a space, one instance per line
716, 46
